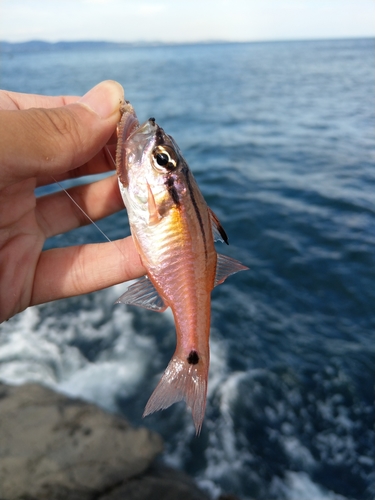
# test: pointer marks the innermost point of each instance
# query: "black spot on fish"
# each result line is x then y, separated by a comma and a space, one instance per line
172, 190
193, 358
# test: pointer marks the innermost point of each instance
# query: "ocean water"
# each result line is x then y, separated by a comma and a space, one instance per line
280, 137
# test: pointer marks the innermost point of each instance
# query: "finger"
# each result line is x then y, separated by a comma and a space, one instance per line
67, 272
57, 213
17, 100
44, 142
101, 163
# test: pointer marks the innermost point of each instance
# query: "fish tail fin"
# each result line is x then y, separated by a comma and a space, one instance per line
184, 379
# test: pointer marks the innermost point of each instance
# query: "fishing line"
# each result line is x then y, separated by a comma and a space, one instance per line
109, 156
84, 213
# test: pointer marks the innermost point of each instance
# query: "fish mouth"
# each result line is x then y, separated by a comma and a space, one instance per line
127, 126
129, 122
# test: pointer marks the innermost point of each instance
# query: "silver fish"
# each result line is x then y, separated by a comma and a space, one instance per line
174, 232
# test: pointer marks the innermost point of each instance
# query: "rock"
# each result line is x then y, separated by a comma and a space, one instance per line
160, 482
56, 448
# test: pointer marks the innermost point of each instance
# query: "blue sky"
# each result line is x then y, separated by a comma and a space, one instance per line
185, 20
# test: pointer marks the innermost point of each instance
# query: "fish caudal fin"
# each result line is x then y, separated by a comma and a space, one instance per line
184, 379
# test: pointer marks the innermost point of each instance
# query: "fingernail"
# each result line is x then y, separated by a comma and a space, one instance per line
105, 98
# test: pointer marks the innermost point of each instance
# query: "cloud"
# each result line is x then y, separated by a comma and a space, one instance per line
185, 20
103, 2
149, 9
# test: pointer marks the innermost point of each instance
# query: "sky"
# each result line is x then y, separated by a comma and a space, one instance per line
185, 20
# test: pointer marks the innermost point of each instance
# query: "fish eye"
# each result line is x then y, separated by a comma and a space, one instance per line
164, 158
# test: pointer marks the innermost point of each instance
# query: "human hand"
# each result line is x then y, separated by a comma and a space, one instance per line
62, 137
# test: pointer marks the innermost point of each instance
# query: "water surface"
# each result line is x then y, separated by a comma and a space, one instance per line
280, 137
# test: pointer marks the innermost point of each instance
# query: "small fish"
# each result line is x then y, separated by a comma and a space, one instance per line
174, 232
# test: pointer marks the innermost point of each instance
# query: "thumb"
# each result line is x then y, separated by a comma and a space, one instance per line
48, 141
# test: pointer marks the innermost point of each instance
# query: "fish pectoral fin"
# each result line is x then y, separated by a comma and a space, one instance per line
142, 293
153, 213
218, 231
225, 267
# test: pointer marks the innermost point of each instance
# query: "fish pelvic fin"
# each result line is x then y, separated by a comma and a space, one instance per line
142, 293
183, 379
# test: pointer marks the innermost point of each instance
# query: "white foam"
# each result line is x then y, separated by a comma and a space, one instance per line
299, 486
227, 455
119, 369
45, 348
101, 383
297, 453
224, 460
27, 354
35, 347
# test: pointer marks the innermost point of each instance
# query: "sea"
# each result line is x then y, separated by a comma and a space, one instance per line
280, 137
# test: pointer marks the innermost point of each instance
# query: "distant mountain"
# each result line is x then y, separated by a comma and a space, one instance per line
41, 46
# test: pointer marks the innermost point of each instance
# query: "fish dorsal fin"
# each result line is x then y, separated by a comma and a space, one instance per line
217, 229
142, 293
225, 267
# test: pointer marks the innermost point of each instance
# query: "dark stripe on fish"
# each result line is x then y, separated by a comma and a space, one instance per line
186, 173
159, 132
172, 190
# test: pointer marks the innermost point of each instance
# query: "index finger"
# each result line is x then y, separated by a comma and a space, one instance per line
37, 142
17, 100
102, 162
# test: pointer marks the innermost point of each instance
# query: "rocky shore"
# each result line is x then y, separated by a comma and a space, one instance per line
56, 448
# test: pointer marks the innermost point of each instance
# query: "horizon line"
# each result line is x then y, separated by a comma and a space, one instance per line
188, 42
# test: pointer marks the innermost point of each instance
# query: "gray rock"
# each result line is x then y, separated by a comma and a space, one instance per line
159, 483
56, 448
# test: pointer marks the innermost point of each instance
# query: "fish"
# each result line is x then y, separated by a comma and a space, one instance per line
174, 233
